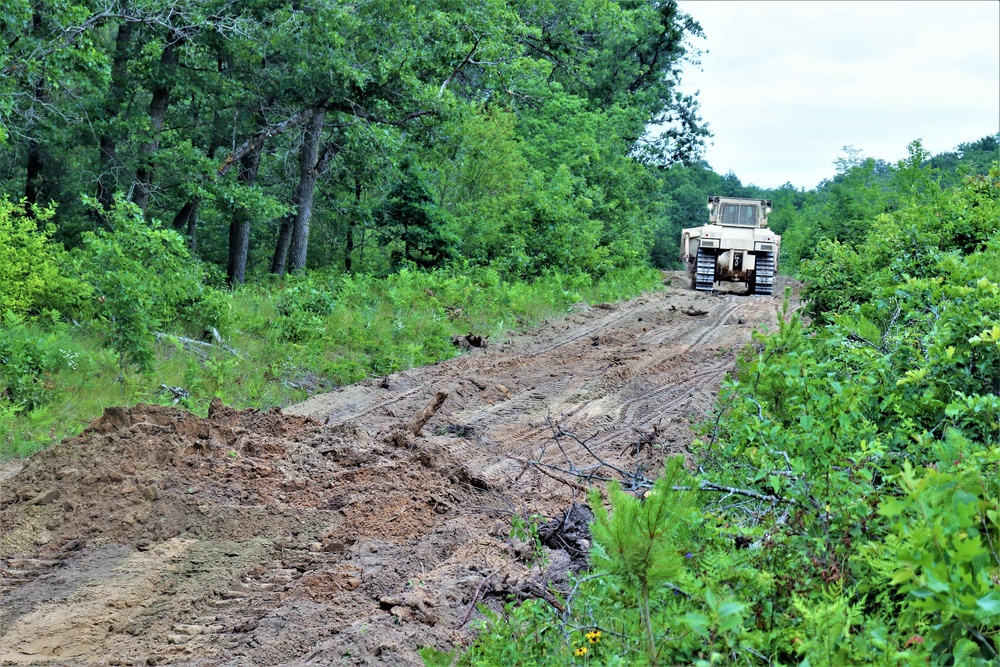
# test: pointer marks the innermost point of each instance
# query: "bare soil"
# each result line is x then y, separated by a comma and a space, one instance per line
330, 534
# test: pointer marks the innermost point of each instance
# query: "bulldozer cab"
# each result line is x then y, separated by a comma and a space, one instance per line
730, 212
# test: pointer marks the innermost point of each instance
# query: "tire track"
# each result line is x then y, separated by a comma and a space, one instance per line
605, 376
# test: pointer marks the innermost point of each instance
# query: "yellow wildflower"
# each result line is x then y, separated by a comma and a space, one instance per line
582, 651
593, 636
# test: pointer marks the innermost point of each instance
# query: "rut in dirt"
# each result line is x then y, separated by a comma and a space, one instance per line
331, 534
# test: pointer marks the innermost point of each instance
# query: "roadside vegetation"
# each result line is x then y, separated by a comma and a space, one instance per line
130, 316
842, 505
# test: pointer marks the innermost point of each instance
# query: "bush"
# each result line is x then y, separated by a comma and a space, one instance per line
27, 362
946, 527
32, 266
144, 279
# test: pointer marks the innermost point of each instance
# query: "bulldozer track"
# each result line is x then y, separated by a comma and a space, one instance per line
244, 537
764, 275
704, 271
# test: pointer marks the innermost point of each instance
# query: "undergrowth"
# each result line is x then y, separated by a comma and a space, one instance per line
301, 335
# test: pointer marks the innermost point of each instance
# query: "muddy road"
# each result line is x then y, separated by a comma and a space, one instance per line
330, 534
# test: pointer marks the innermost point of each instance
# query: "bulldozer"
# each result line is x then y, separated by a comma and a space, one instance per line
735, 246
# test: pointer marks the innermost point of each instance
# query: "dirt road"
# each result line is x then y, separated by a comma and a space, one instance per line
331, 534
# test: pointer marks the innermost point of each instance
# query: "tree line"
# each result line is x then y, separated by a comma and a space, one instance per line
365, 136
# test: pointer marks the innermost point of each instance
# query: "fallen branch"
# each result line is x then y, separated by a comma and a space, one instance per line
705, 485
573, 485
418, 422
221, 342
475, 598
635, 480
190, 343
179, 393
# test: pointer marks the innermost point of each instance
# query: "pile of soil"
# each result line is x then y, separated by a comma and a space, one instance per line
156, 535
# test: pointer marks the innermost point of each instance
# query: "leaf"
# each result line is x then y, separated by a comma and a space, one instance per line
698, 622
990, 603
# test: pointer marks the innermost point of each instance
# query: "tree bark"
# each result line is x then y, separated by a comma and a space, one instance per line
281, 247
107, 181
186, 222
33, 175
349, 246
158, 104
35, 163
239, 225
309, 169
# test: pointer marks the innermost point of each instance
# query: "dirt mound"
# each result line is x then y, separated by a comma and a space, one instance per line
156, 535
333, 535
106, 484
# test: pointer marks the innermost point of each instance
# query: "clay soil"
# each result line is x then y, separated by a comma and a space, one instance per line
330, 534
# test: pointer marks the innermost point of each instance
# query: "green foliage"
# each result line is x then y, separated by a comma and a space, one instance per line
639, 541
434, 658
947, 530
526, 530
28, 361
866, 197
32, 266
308, 333
649, 601
500, 134
144, 278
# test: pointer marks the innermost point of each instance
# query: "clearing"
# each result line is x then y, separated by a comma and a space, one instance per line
330, 534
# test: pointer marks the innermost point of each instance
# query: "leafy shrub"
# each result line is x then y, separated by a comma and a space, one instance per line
32, 266
303, 306
946, 529
27, 362
144, 278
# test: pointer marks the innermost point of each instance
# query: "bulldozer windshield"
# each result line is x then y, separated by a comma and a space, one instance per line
738, 215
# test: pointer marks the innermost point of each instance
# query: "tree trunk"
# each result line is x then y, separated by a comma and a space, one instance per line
349, 247
107, 181
33, 177
35, 164
281, 247
186, 222
309, 169
239, 225
158, 104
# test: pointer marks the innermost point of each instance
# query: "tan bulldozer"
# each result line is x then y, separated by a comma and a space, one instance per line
735, 246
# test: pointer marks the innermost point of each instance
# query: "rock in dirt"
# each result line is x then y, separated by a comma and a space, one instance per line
45, 497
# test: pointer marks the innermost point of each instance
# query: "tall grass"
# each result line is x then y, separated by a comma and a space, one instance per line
290, 339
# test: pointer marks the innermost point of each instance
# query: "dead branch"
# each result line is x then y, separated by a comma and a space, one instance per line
258, 139
467, 60
191, 343
418, 421
573, 485
475, 598
705, 485
635, 479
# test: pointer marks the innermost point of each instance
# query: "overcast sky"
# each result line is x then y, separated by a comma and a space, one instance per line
786, 85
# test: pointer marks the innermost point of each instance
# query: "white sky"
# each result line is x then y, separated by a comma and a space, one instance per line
786, 85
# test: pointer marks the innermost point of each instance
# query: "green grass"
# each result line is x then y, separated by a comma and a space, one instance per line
293, 338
